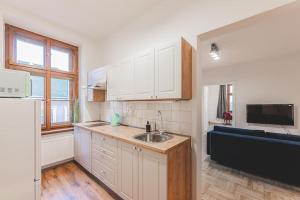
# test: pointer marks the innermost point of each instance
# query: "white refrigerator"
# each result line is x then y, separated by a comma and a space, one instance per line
20, 139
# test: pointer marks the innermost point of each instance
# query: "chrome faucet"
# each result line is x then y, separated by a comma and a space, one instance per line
161, 129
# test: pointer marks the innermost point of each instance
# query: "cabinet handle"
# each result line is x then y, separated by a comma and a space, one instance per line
139, 149
134, 148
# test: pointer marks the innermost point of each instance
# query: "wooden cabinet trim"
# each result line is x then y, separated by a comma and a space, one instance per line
186, 73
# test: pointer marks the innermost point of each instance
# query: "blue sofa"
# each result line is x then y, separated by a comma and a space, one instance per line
270, 155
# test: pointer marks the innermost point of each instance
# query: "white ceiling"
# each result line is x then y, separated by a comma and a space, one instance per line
273, 35
94, 18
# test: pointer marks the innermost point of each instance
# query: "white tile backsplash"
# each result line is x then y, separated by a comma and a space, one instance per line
177, 115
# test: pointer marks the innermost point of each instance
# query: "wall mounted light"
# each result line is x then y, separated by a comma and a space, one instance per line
214, 52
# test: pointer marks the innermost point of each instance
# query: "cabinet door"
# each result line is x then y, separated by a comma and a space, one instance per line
84, 148
120, 81
144, 72
128, 172
76, 144
126, 80
113, 83
152, 176
168, 71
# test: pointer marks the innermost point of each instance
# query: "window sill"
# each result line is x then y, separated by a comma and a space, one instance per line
57, 131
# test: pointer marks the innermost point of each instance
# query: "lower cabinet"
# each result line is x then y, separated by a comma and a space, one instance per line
128, 171
152, 175
82, 139
105, 160
132, 172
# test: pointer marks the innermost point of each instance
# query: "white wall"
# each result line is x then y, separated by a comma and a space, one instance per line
170, 20
175, 18
274, 80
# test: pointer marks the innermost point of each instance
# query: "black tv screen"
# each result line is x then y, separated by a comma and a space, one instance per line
278, 114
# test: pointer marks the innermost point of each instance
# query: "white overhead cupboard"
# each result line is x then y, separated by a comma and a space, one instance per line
120, 81
164, 72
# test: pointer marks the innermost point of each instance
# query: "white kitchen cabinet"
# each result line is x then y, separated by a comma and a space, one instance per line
142, 173
152, 175
164, 72
105, 160
83, 148
76, 144
168, 71
173, 70
120, 81
128, 171
144, 75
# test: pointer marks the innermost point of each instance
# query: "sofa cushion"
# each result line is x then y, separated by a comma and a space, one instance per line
240, 131
283, 136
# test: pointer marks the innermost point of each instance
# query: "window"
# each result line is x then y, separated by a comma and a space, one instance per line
229, 98
54, 73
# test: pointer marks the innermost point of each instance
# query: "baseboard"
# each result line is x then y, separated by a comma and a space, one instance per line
57, 163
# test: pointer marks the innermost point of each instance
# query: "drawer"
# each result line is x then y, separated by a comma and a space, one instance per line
108, 176
97, 138
105, 159
106, 144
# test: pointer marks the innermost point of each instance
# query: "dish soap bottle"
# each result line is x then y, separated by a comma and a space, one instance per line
148, 127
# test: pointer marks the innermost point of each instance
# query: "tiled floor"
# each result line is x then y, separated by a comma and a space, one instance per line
221, 183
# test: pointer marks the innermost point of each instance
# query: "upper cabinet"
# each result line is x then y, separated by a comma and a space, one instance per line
144, 75
96, 87
120, 81
164, 72
168, 71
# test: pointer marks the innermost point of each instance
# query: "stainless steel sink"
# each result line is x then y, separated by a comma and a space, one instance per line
96, 124
153, 137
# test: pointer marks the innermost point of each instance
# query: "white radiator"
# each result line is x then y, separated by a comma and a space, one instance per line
57, 148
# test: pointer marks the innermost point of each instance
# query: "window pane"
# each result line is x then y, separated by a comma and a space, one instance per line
230, 89
38, 92
60, 59
37, 87
60, 112
60, 89
29, 52
230, 103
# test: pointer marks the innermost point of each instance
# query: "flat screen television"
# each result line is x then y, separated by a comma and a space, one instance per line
278, 114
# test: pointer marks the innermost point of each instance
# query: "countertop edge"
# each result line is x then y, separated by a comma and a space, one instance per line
140, 144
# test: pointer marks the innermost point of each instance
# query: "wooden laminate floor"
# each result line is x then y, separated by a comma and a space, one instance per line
221, 183
70, 182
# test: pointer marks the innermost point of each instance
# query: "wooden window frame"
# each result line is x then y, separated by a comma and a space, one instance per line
47, 72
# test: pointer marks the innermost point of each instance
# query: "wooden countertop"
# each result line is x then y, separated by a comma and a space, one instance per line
126, 134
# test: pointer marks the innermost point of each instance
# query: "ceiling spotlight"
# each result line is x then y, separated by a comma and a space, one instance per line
214, 52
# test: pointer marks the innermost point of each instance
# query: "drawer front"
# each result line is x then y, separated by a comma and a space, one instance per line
108, 176
105, 144
105, 159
